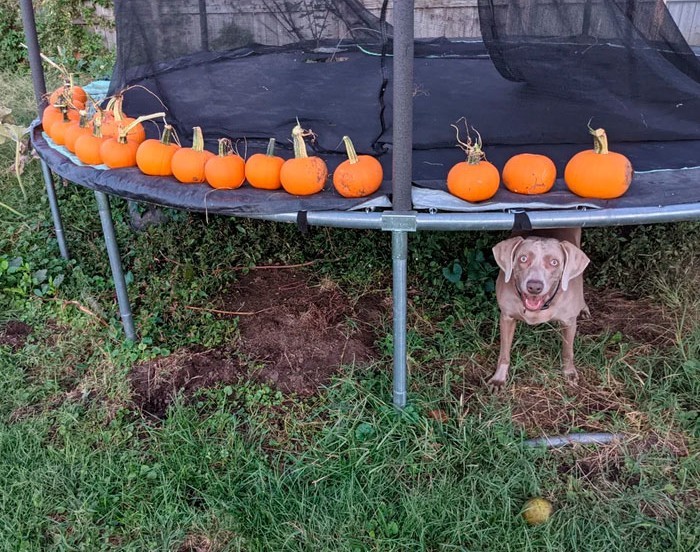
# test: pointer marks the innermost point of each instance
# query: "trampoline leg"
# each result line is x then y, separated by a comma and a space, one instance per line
399, 255
115, 262
55, 213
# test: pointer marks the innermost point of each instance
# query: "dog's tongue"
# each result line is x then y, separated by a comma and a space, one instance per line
533, 303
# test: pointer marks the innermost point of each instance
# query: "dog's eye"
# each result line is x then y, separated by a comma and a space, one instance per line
554, 262
523, 258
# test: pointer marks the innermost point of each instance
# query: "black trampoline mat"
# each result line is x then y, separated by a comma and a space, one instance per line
250, 98
659, 188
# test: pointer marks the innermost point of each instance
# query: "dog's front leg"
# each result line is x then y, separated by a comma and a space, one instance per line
568, 333
498, 380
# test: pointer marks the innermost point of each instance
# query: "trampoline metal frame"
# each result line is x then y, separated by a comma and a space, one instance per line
401, 220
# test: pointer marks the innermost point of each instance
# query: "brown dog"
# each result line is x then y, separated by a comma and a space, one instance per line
540, 281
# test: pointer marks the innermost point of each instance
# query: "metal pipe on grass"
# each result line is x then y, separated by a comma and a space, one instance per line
574, 438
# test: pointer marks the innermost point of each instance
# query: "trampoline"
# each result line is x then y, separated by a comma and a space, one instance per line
540, 73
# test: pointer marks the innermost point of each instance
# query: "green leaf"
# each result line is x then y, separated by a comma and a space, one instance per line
453, 273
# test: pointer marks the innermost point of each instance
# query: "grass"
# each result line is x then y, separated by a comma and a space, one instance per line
244, 468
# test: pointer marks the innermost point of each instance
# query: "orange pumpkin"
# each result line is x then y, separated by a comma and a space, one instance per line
188, 163
529, 173
154, 157
52, 114
57, 131
262, 170
598, 173
359, 175
74, 95
303, 175
87, 147
474, 179
116, 119
119, 153
76, 130
226, 171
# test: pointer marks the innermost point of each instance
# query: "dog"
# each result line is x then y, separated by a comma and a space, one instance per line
540, 281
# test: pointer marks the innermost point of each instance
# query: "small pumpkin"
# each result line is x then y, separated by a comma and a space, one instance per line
359, 175
303, 175
76, 130
116, 118
529, 174
598, 173
57, 130
119, 153
73, 94
474, 179
154, 157
262, 170
225, 171
87, 146
188, 163
54, 113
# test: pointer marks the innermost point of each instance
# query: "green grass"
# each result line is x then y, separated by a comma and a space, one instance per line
81, 468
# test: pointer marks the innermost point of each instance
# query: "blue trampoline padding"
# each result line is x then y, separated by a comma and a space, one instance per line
98, 89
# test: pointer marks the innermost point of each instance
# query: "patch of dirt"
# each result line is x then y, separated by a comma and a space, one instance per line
14, 334
549, 407
557, 408
302, 331
158, 382
638, 319
197, 543
295, 332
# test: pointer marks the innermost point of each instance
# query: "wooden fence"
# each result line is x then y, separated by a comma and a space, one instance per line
433, 18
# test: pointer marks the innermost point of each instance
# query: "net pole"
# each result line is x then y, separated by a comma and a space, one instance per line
39, 83
402, 169
34, 54
403, 105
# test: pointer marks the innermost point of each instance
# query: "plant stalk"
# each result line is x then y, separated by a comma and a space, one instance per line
350, 149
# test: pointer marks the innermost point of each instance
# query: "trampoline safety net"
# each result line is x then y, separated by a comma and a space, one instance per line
529, 76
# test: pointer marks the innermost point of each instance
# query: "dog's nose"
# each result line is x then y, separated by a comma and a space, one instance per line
534, 286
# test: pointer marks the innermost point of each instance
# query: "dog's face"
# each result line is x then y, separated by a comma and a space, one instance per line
538, 267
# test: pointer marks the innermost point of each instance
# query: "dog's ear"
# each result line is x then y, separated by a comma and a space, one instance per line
575, 262
504, 253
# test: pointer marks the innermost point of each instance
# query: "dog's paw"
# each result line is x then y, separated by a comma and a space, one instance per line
495, 385
571, 376
585, 313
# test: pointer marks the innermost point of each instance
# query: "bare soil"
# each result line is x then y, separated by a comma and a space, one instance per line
640, 319
14, 334
295, 334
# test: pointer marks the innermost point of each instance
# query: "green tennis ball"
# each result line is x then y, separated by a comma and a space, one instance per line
537, 511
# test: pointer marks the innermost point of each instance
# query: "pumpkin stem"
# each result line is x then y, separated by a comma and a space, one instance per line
197, 139
110, 103
64, 113
83, 118
123, 131
299, 145
600, 141
117, 107
167, 134
271, 148
97, 125
225, 147
472, 149
350, 149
